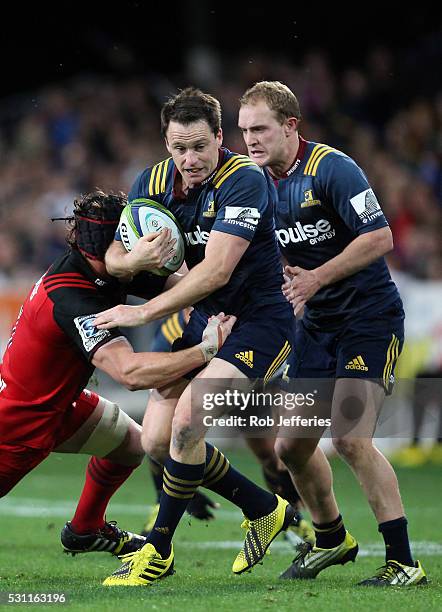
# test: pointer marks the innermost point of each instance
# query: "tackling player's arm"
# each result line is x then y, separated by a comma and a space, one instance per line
176, 277
151, 370
110, 351
346, 187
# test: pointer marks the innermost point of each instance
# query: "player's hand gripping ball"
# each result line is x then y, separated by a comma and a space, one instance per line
142, 217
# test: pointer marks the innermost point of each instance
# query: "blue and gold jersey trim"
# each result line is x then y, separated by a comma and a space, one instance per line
316, 156
157, 180
232, 165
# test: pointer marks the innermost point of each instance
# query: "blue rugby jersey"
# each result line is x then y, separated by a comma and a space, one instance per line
238, 199
325, 202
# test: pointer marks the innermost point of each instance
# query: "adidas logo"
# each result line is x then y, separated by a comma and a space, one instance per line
356, 364
246, 356
164, 530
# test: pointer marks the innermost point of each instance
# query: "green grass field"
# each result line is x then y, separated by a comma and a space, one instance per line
31, 559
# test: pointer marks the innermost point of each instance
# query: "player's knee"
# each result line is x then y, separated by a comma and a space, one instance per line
130, 452
156, 446
184, 432
349, 449
133, 448
294, 453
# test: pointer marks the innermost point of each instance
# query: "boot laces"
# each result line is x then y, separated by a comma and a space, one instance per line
112, 532
304, 548
391, 570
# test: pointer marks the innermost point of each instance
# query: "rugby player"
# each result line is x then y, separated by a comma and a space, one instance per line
50, 357
200, 506
275, 474
222, 201
333, 235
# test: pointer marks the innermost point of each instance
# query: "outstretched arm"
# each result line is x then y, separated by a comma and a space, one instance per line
148, 370
223, 252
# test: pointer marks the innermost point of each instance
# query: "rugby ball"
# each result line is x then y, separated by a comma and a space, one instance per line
143, 216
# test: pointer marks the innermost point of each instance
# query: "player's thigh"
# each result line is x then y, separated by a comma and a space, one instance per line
191, 408
15, 462
305, 403
97, 426
303, 418
314, 354
309, 385
157, 422
307, 391
366, 360
355, 409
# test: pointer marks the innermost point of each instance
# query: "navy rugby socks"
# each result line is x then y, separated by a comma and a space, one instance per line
329, 535
222, 478
180, 482
397, 545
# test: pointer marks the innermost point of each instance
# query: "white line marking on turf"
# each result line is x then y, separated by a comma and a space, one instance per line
374, 549
43, 508
38, 507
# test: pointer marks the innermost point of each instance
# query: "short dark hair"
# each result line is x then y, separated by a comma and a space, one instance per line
189, 105
92, 227
278, 97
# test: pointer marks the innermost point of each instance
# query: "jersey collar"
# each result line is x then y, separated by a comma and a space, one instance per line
296, 162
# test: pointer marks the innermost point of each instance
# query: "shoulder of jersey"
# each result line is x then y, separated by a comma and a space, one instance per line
234, 166
65, 276
319, 153
157, 177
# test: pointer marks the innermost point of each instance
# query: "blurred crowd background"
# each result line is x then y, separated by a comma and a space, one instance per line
80, 108
94, 130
